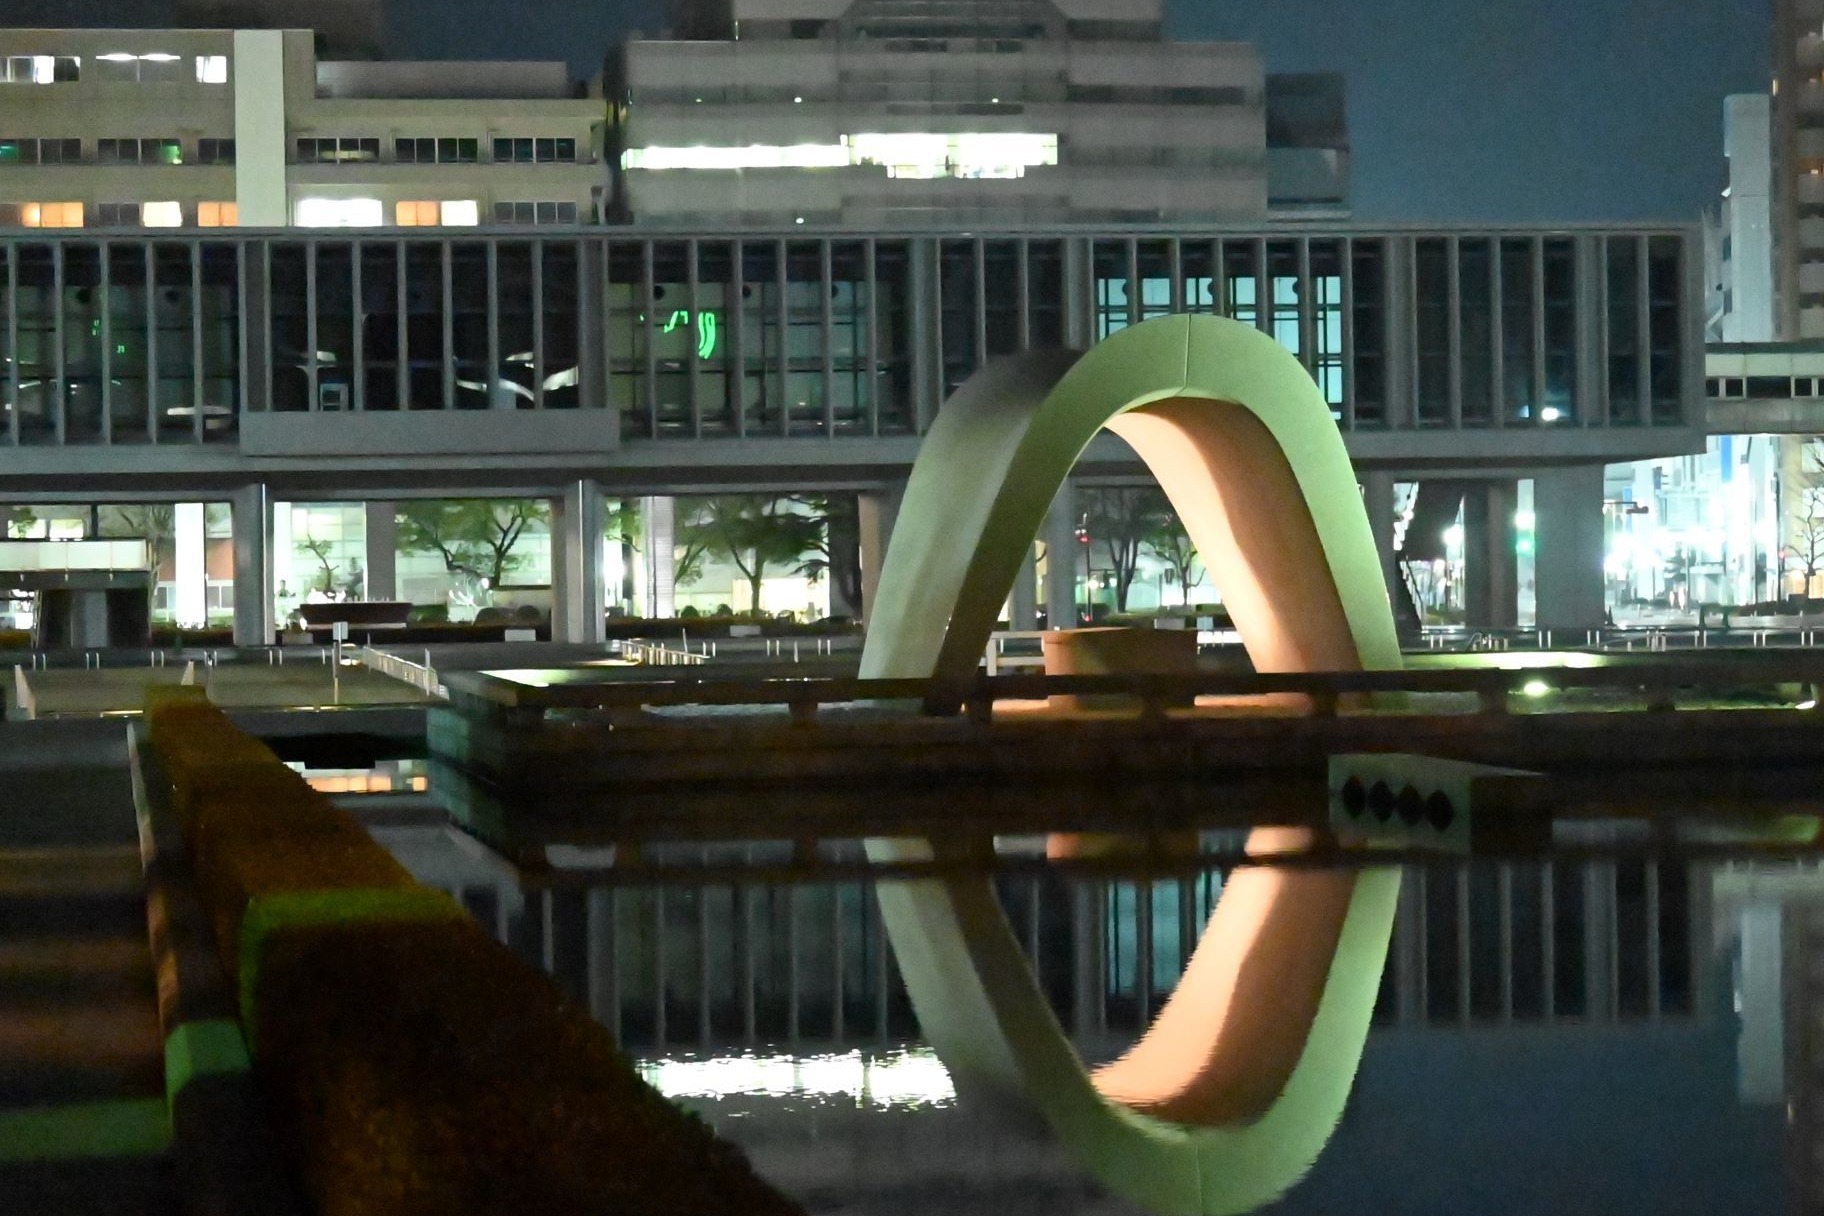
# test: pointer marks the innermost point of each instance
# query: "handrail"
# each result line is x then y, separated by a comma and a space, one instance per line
421, 676
1661, 680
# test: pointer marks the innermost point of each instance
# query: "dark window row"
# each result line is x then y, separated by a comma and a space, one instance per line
538, 150
139, 151
446, 151
534, 213
124, 343
31, 151
760, 337
416, 325
416, 150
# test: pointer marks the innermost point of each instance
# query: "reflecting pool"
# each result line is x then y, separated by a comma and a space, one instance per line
1621, 1033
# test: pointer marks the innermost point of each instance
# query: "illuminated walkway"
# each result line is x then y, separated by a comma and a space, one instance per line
82, 1109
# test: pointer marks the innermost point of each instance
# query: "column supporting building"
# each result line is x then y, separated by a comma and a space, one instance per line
1377, 500
382, 550
1061, 559
1023, 608
844, 543
1568, 547
190, 579
659, 560
577, 527
876, 514
1491, 590
251, 510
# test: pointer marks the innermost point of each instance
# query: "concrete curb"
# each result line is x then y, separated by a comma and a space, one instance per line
226, 1161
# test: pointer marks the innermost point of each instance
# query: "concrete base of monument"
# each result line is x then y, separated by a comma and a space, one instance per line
1116, 651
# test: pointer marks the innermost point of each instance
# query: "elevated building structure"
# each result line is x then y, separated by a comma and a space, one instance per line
581, 364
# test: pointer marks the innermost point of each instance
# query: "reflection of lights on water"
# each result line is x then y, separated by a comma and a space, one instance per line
890, 1079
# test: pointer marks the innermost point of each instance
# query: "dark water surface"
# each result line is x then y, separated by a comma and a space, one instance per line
1620, 1035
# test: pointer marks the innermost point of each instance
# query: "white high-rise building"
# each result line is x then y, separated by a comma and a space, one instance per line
896, 112
1741, 238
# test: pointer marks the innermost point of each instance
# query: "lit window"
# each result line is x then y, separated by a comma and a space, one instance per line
157, 67
461, 212
902, 154
212, 69
40, 69
217, 215
340, 213
415, 214
51, 215
166, 214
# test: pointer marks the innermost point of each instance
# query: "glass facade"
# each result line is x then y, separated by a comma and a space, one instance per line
139, 340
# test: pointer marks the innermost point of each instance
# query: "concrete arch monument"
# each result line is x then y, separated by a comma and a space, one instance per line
1235, 1089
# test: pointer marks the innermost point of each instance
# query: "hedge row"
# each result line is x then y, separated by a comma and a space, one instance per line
413, 1064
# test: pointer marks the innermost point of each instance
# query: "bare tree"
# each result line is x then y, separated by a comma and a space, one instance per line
475, 537
751, 532
319, 549
1805, 540
1120, 520
1171, 544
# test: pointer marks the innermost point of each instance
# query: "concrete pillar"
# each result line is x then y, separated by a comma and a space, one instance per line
1377, 499
926, 378
1063, 559
567, 940
190, 583
1089, 984
845, 554
88, 618
660, 515
252, 522
1568, 547
1024, 610
577, 523
876, 514
382, 551
1491, 577
1760, 1050
603, 965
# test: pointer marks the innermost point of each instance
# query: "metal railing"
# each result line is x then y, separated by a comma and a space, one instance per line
1636, 639
421, 676
660, 654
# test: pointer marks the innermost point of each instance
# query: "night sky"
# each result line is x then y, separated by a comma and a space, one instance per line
1460, 109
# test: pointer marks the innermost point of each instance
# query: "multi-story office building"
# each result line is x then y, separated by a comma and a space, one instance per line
204, 128
905, 113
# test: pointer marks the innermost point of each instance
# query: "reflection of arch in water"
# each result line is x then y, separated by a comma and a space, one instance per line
1239, 1083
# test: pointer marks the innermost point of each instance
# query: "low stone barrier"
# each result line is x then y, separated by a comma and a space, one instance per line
411, 1063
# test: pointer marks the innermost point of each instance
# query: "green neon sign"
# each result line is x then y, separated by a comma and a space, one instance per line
706, 329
